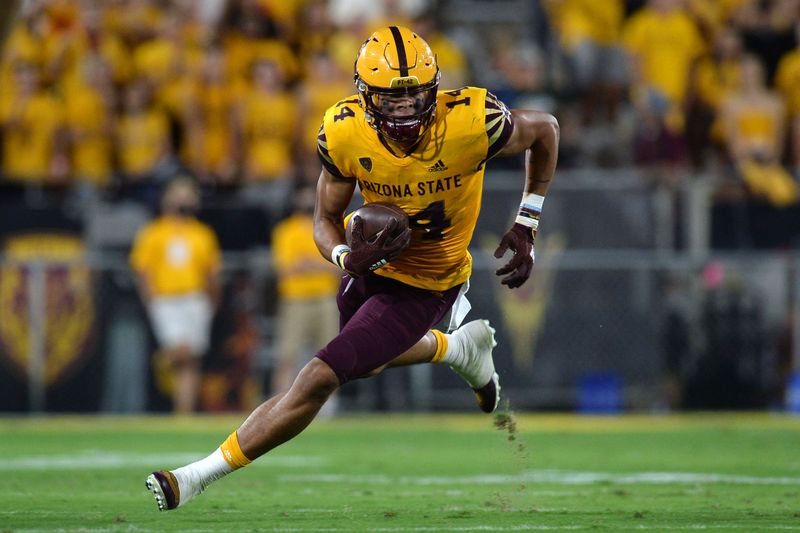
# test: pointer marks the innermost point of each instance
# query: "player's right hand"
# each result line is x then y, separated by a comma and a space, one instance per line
366, 256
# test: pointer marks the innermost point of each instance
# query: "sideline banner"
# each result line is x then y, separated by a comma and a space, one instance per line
69, 320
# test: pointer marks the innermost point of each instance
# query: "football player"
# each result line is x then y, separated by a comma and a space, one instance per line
402, 141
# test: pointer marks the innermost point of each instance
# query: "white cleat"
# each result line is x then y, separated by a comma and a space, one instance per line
477, 341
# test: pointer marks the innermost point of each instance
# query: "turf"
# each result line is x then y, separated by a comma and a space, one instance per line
414, 473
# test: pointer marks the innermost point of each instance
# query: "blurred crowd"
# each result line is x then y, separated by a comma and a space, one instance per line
707, 83
112, 98
122, 94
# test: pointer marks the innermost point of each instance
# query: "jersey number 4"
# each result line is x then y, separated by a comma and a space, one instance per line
432, 221
345, 111
343, 114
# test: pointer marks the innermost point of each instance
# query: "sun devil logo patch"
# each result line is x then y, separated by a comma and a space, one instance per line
366, 162
69, 312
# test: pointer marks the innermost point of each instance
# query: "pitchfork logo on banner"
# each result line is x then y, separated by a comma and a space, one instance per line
69, 312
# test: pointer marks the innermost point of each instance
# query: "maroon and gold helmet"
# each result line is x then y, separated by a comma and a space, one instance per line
397, 78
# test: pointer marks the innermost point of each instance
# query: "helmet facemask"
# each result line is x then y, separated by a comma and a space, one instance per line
401, 114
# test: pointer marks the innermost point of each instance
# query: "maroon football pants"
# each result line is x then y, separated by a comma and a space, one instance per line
379, 319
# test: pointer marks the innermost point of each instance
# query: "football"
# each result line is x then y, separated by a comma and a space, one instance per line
375, 216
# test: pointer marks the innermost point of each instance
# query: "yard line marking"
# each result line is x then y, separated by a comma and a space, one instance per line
654, 478
518, 527
99, 460
555, 477
738, 527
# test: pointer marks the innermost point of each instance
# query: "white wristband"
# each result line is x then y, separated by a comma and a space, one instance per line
530, 209
337, 254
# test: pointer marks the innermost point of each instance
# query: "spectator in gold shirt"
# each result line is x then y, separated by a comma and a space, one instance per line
753, 116
90, 40
210, 147
308, 317
589, 32
34, 137
716, 76
143, 142
754, 120
663, 43
90, 103
176, 259
267, 123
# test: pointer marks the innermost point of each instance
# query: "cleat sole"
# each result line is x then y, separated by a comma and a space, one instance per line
154, 487
163, 493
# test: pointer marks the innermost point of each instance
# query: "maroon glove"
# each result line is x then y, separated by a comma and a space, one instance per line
366, 256
520, 239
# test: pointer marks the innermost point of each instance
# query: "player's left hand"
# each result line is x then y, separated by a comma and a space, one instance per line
520, 240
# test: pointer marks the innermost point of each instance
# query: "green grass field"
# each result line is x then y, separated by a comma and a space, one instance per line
713, 472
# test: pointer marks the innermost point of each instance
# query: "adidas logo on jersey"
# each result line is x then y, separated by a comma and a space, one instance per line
439, 166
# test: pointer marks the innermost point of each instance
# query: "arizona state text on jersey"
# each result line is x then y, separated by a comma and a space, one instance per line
439, 185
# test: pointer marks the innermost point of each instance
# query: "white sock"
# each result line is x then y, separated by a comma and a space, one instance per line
205, 471
454, 354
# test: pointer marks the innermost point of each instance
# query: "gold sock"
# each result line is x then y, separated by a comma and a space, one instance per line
441, 346
232, 452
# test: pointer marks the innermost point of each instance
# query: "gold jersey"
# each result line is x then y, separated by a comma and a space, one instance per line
439, 185
177, 255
